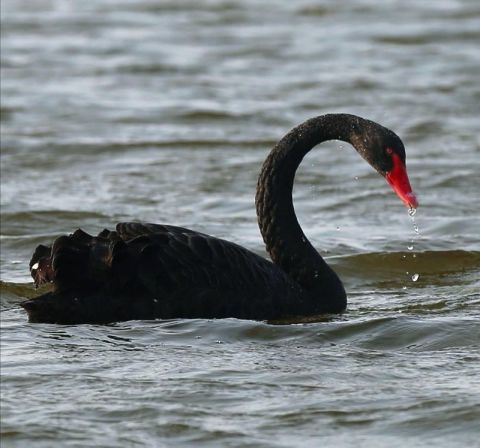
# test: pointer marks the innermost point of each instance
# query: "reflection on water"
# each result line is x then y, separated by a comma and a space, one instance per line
164, 112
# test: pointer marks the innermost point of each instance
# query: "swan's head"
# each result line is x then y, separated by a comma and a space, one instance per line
384, 150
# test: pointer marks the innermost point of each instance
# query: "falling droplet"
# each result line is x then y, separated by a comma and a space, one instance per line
415, 277
412, 212
410, 247
404, 287
338, 227
356, 177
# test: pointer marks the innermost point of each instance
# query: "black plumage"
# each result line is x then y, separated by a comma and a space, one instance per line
145, 271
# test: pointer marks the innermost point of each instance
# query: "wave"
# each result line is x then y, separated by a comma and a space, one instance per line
380, 264
372, 333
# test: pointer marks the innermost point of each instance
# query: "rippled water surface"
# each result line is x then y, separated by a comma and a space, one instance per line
163, 112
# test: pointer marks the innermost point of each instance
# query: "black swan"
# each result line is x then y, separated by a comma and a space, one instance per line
147, 271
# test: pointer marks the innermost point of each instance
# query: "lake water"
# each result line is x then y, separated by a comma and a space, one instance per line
163, 112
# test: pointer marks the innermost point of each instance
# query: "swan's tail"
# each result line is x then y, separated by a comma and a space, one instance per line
86, 273
80, 261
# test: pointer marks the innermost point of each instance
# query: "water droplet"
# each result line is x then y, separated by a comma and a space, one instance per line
414, 255
338, 227
356, 177
412, 211
410, 247
404, 287
415, 277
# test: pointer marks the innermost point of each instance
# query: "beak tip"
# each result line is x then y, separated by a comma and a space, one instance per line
411, 200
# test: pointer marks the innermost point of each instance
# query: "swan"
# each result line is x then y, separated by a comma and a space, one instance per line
148, 271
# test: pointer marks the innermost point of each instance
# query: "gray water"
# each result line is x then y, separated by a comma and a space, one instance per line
163, 112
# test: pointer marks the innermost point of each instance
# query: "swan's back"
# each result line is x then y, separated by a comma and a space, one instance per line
145, 271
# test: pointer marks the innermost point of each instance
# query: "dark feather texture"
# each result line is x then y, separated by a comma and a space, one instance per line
145, 271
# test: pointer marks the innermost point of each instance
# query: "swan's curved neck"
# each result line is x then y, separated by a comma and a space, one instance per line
285, 241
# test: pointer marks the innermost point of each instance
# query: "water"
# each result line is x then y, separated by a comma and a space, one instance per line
164, 112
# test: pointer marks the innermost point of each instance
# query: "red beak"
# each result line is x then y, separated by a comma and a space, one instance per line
397, 177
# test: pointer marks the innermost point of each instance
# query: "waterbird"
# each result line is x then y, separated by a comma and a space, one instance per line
149, 271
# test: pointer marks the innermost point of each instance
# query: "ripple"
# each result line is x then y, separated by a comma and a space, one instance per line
428, 38
428, 262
